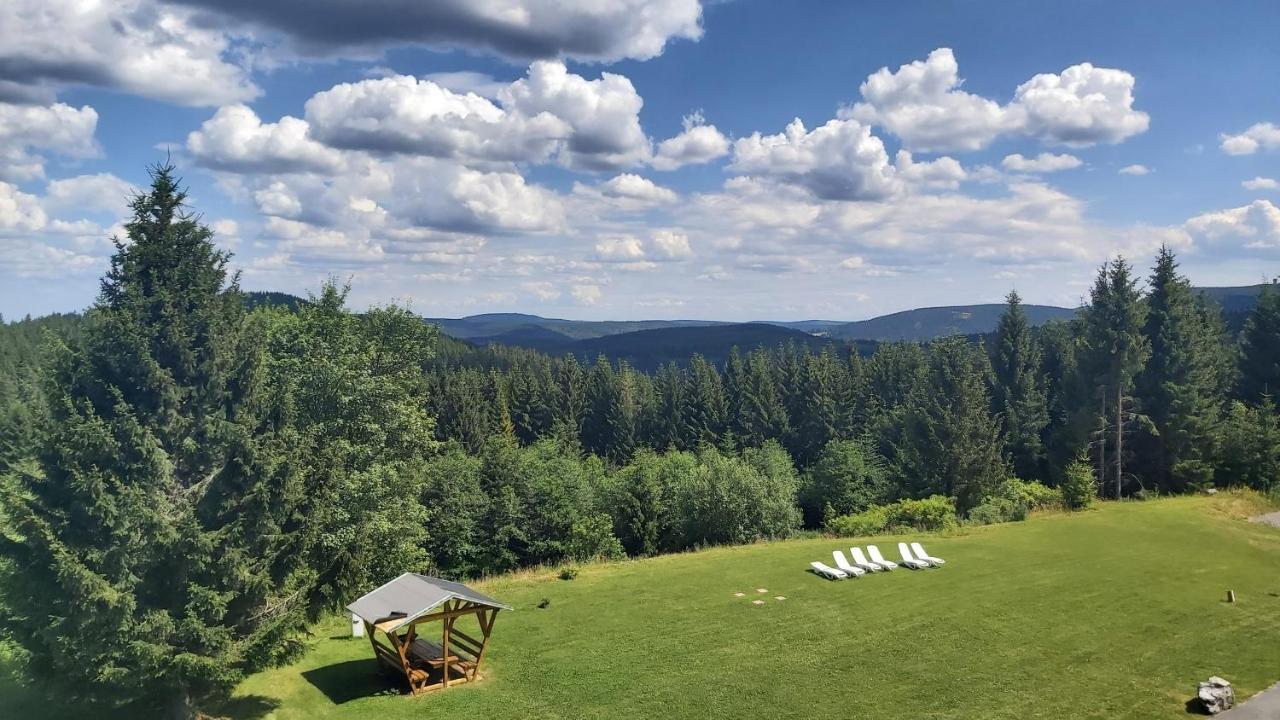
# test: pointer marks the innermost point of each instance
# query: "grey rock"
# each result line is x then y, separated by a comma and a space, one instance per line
1216, 695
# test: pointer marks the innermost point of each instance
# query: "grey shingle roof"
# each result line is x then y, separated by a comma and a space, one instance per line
412, 595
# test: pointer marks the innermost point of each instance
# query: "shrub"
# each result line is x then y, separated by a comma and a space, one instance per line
871, 521
568, 573
1078, 488
998, 510
1032, 494
592, 538
931, 513
846, 478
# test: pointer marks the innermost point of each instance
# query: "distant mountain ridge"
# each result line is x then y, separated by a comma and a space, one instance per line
647, 343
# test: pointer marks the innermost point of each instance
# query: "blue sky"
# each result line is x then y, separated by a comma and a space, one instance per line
643, 159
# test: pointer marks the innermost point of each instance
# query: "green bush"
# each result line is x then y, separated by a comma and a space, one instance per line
568, 573
871, 521
931, 513
998, 510
1078, 487
847, 478
1032, 494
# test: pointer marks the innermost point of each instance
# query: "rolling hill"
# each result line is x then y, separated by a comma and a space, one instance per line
647, 349
930, 323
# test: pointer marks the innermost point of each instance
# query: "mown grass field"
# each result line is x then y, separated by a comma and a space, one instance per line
1115, 612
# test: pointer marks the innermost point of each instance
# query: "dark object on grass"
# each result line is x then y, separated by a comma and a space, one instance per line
544, 603
1231, 596
568, 573
1216, 695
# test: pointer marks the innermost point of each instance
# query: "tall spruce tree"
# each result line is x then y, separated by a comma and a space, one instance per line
1260, 348
948, 442
1114, 352
704, 407
1181, 388
1017, 394
759, 414
608, 428
145, 564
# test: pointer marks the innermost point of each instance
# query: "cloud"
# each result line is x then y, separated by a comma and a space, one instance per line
20, 211
544, 291
619, 249
670, 244
405, 115
1261, 183
236, 140
57, 128
1257, 225
1135, 170
634, 187
136, 46
698, 143
103, 192
1042, 163
1261, 136
943, 173
603, 114
522, 29
922, 104
840, 160
1083, 105
586, 294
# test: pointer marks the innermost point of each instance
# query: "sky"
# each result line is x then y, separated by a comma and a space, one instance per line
622, 159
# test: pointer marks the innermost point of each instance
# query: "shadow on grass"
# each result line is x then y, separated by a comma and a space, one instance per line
249, 707
351, 680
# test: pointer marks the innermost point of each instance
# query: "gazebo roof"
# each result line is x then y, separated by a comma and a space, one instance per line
410, 596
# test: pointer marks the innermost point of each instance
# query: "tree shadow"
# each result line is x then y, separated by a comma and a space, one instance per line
351, 680
248, 707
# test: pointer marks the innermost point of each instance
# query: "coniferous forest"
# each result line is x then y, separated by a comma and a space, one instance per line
188, 479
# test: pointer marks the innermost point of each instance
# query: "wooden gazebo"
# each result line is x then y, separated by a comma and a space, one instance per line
395, 611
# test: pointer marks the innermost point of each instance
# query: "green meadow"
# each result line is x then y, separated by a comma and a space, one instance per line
1114, 612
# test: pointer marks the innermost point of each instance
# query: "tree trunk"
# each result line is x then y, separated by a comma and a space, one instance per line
180, 707
1119, 437
1102, 443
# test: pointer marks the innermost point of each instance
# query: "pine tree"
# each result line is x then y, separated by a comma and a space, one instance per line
1017, 394
1114, 352
948, 442
1182, 385
758, 411
704, 405
818, 416
148, 541
608, 428
1260, 348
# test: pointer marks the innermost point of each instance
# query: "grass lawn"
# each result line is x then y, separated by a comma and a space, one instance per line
1115, 612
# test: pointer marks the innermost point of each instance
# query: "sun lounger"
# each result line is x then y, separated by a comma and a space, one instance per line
909, 560
845, 566
861, 560
918, 549
827, 571
878, 559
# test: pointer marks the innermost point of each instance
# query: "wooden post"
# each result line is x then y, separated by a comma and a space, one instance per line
444, 664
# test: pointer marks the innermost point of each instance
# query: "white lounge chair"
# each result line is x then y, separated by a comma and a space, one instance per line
918, 549
845, 566
861, 560
909, 560
878, 559
827, 571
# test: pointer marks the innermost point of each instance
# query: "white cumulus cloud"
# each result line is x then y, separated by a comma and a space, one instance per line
1261, 183
698, 143
1260, 136
840, 160
236, 140
1042, 163
1135, 170
58, 128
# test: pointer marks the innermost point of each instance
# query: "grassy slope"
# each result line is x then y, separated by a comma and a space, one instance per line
1113, 613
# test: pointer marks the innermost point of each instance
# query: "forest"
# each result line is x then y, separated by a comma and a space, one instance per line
188, 479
